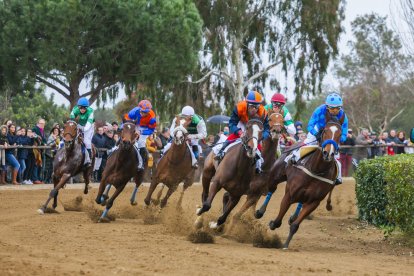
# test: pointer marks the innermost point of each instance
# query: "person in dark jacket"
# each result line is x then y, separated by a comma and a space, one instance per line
346, 153
99, 141
23, 153
30, 160
10, 153
39, 130
3, 142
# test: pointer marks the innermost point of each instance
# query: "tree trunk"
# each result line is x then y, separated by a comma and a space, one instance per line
238, 63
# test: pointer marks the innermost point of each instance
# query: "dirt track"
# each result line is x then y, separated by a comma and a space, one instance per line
145, 242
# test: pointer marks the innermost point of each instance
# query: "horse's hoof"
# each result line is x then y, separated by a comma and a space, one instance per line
258, 214
213, 225
85, 192
285, 248
133, 203
329, 207
162, 205
272, 225
198, 224
40, 211
147, 202
104, 220
198, 211
103, 203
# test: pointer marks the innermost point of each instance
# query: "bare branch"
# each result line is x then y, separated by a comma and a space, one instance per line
396, 115
261, 73
51, 85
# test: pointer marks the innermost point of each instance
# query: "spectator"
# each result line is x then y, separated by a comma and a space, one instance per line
302, 135
99, 141
30, 161
116, 138
10, 157
362, 139
400, 141
8, 123
164, 137
377, 141
115, 128
54, 141
40, 140
3, 142
151, 145
346, 153
22, 154
298, 126
391, 141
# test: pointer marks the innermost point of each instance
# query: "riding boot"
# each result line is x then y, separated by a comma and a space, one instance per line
194, 149
14, 177
220, 154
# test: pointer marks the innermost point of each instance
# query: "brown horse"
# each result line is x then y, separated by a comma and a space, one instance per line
311, 179
258, 185
175, 166
120, 168
68, 162
235, 171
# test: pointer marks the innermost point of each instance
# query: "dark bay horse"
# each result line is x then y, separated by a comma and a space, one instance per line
120, 168
258, 185
235, 171
311, 179
68, 162
175, 166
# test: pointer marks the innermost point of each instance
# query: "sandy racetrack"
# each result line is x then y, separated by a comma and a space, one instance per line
144, 241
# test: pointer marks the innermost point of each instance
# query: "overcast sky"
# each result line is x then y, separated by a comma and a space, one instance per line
352, 10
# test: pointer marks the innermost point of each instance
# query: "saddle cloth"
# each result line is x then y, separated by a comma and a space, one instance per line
218, 147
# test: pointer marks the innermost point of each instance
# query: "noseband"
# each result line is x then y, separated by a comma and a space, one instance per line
330, 141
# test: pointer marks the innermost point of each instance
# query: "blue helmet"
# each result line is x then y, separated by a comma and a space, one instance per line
83, 102
333, 100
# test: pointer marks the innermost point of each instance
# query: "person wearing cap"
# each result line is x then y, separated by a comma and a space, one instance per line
333, 108
277, 104
145, 120
196, 130
245, 110
86, 124
164, 137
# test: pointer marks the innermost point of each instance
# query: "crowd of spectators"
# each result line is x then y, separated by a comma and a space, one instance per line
24, 165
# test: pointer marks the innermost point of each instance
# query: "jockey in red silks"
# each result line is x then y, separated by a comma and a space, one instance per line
145, 126
244, 110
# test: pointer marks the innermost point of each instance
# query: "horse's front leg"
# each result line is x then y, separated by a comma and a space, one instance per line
86, 177
307, 209
109, 204
170, 191
232, 202
214, 189
259, 213
138, 179
284, 207
54, 192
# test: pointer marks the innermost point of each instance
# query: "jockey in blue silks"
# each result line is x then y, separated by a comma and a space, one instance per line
333, 105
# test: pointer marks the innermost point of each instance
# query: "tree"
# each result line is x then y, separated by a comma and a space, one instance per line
244, 40
27, 107
99, 43
372, 75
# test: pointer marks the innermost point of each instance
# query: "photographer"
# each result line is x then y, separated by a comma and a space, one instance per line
362, 139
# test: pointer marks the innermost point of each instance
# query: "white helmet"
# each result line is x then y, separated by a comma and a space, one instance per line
187, 111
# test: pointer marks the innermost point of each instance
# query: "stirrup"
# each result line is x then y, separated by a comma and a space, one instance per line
338, 181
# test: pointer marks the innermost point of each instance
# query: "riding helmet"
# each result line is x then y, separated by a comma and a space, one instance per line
278, 98
83, 102
145, 106
254, 97
334, 100
187, 111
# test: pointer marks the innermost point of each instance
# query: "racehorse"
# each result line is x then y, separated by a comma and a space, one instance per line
68, 162
235, 171
120, 168
175, 166
312, 178
258, 185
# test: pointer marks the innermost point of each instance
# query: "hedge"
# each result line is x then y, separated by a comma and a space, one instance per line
385, 191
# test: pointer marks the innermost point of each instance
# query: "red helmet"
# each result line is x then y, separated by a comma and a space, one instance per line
279, 98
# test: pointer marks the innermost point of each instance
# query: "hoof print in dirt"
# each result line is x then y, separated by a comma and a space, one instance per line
200, 237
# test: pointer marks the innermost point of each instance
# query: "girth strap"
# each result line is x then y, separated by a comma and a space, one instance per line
305, 170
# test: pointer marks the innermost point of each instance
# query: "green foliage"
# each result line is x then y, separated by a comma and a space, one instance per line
400, 192
27, 107
61, 43
385, 191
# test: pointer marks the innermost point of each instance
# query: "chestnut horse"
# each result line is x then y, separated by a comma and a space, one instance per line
258, 185
68, 162
120, 168
235, 172
175, 166
311, 179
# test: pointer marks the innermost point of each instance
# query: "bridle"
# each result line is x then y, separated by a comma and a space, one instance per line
330, 141
245, 140
73, 136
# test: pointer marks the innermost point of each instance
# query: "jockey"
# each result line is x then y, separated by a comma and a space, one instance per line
85, 124
244, 110
277, 104
145, 126
196, 130
333, 105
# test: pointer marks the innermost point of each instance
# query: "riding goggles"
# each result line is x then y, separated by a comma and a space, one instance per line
277, 104
83, 107
334, 107
255, 106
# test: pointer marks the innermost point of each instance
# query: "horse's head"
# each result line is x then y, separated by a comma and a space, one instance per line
180, 132
128, 134
276, 123
330, 139
253, 135
70, 132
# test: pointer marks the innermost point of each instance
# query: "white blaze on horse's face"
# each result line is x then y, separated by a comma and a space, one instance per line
182, 122
333, 130
178, 137
255, 139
